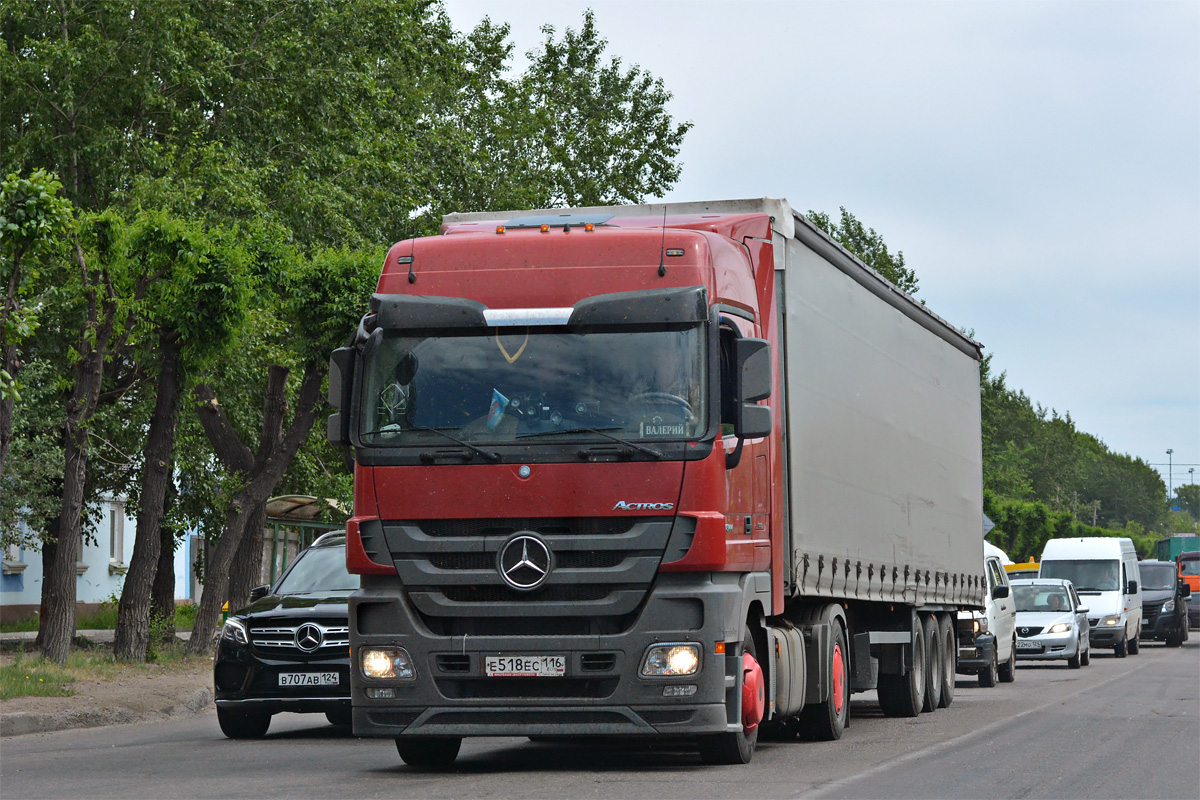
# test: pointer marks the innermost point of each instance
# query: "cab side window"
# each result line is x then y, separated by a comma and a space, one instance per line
728, 406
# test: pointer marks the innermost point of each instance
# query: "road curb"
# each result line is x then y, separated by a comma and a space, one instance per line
20, 723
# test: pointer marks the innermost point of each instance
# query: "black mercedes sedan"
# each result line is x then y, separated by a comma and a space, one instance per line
289, 650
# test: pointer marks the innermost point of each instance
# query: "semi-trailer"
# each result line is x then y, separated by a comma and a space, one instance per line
666, 470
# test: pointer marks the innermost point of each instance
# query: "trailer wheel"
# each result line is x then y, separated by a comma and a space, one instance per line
935, 662
825, 721
736, 748
950, 656
904, 695
428, 752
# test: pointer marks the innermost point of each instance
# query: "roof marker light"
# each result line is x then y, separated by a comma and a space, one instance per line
589, 227
545, 229
499, 229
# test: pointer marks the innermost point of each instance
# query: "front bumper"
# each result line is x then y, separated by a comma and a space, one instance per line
248, 681
975, 657
1162, 626
601, 692
1048, 646
1107, 636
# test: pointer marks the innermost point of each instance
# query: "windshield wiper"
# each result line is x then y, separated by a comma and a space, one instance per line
600, 432
493, 457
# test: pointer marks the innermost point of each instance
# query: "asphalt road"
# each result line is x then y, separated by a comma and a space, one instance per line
1127, 728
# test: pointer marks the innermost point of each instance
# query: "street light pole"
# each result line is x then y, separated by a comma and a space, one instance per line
1170, 489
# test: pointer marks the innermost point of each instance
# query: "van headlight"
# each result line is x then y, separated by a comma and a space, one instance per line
671, 660
235, 631
1168, 607
1112, 619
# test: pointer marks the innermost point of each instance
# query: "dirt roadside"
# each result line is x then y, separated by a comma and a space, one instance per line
156, 692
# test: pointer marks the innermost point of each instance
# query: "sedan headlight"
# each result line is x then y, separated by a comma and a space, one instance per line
387, 662
1168, 607
671, 660
235, 631
1061, 627
1113, 619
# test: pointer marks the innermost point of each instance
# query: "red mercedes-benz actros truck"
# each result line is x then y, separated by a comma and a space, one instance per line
663, 470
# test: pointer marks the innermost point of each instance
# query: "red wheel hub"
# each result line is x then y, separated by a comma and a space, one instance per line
754, 697
839, 680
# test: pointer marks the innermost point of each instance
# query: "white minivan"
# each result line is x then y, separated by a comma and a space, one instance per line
988, 639
1104, 571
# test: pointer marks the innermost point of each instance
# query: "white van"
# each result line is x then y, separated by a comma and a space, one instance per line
988, 639
1105, 574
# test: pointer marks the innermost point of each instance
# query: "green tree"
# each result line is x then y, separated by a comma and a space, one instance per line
869, 246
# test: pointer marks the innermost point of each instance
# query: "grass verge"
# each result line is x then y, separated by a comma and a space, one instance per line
29, 675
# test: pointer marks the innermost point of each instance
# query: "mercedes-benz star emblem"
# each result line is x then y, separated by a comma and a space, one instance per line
524, 562
309, 637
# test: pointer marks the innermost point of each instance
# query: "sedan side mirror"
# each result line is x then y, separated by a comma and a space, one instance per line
1000, 592
259, 592
1082, 609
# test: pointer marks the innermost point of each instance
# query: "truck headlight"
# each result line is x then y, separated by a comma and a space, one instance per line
387, 662
1112, 619
1168, 607
235, 631
671, 660
1061, 627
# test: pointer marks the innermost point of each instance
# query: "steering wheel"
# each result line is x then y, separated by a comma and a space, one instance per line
666, 398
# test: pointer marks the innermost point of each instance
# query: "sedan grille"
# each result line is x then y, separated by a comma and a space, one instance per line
1028, 631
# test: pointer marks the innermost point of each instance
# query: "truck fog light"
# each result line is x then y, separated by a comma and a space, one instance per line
668, 660
387, 662
381, 693
686, 690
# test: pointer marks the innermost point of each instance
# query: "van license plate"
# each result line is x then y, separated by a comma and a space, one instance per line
525, 666
308, 679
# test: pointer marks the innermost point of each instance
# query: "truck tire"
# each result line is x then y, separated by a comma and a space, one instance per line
428, 752
988, 678
950, 654
1121, 649
1008, 670
904, 695
731, 748
825, 721
935, 662
243, 724
1135, 646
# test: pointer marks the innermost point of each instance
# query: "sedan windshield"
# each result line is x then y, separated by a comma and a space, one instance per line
316, 571
1041, 598
541, 384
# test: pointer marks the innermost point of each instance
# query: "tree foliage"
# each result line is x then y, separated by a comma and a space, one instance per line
868, 245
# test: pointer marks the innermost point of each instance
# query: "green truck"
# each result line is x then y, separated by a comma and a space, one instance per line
1168, 549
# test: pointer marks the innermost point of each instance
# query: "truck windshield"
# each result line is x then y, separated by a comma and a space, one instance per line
510, 384
1158, 577
1088, 576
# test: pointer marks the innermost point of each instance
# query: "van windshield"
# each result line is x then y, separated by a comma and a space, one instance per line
1088, 576
1157, 576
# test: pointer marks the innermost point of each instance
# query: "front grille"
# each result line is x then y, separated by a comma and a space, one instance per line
599, 572
1093, 621
1026, 631
598, 662
282, 638
1150, 613
526, 688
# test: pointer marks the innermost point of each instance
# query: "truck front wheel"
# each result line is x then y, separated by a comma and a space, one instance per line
825, 721
428, 752
737, 748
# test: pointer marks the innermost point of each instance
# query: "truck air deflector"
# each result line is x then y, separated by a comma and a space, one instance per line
509, 317
685, 304
398, 311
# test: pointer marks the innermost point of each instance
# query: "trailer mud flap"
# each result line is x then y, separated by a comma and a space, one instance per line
816, 646
865, 669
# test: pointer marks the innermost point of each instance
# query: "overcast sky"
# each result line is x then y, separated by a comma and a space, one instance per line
1038, 163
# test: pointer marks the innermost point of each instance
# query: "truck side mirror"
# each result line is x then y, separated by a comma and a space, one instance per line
1133, 587
341, 367
752, 370
1000, 592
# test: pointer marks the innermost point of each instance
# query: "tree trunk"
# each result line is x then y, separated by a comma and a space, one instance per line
162, 594
49, 553
274, 456
247, 562
132, 634
59, 588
